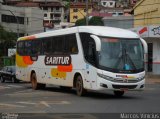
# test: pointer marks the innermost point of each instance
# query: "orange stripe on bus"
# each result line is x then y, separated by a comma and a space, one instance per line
27, 60
65, 68
28, 38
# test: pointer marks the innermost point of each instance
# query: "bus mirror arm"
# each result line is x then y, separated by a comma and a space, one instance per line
144, 45
97, 42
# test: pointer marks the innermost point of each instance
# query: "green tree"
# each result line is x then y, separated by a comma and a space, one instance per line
95, 21
80, 22
7, 40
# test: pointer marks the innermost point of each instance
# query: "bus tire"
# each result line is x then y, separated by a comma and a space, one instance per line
65, 88
42, 86
79, 86
34, 83
118, 93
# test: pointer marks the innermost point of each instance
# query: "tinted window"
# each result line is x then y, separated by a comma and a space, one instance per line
36, 47
20, 47
27, 47
71, 44
47, 46
58, 44
89, 49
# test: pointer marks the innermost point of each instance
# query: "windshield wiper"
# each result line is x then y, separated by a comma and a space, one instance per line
125, 58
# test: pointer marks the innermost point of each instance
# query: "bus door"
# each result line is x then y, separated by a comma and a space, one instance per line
90, 72
90, 76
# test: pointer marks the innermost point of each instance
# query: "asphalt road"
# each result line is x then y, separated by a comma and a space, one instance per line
20, 98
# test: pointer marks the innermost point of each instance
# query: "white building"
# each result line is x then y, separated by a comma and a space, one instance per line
152, 36
108, 3
23, 21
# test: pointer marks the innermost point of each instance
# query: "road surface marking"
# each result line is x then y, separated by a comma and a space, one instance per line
28, 103
4, 87
15, 86
3, 105
45, 103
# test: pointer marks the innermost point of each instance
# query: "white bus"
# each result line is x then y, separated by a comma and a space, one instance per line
84, 58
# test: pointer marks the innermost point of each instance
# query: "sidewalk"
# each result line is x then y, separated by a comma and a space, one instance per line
152, 79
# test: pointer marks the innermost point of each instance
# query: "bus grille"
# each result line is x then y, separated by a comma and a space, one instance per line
124, 86
127, 81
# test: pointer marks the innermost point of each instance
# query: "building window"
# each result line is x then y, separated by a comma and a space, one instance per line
111, 3
51, 15
51, 9
45, 15
57, 15
57, 8
75, 17
45, 8
120, 14
12, 19
104, 3
75, 10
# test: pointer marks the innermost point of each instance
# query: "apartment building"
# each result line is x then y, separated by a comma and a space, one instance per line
78, 11
147, 25
23, 21
53, 13
53, 10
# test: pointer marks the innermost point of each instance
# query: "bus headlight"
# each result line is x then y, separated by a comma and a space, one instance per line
141, 78
105, 77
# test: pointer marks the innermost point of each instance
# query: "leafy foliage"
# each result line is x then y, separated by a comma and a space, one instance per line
80, 22
96, 21
7, 40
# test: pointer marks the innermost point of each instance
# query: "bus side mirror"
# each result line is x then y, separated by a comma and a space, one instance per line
97, 42
144, 45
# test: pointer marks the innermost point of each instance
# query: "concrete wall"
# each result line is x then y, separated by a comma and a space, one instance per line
33, 19
147, 12
156, 54
125, 22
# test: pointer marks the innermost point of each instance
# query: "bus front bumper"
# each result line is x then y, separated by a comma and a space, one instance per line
103, 84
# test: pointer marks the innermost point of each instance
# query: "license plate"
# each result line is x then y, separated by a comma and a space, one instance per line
124, 89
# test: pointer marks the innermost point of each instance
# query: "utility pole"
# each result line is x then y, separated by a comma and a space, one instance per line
16, 21
86, 12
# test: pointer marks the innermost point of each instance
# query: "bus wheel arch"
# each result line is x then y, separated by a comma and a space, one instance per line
33, 80
78, 84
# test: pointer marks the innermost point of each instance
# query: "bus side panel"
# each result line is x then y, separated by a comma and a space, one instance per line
90, 77
21, 73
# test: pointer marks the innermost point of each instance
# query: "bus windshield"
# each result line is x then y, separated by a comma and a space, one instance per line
121, 55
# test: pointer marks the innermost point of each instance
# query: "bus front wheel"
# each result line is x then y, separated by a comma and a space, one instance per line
118, 93
79, 86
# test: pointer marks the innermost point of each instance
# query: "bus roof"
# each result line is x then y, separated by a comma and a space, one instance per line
96, 30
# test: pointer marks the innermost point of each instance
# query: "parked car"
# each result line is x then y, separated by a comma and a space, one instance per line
8, 73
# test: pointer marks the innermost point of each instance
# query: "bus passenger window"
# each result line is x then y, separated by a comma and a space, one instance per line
27, 46
73, 44
47, 46
36, 47
20, 48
